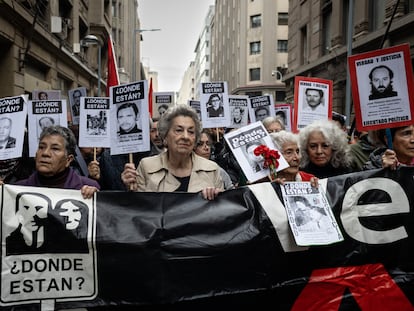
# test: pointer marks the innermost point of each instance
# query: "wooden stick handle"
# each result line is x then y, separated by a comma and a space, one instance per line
131, 160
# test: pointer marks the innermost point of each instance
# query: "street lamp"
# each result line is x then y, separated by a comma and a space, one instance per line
134, 41
90, 40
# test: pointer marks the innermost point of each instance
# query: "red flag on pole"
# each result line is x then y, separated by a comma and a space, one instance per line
113, 77
150, 98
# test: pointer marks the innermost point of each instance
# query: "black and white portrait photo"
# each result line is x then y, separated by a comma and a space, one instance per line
215, 106
6, 140
381, 80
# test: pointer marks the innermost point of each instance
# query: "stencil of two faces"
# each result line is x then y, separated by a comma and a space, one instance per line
32, 211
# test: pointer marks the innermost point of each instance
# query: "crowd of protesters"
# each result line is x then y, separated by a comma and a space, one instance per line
185, 157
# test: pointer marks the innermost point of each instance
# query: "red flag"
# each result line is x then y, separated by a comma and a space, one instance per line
150, 98
113, 77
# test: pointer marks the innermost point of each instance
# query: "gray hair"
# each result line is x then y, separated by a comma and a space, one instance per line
272, 119
283, 137
334, 136
165, 122
67, 134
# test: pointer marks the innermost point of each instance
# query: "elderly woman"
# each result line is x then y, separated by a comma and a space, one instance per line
288, 144
178, 168
325, 149
55, 152
273, 124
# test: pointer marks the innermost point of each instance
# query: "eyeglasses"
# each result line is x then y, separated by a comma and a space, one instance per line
290, 153
202, 143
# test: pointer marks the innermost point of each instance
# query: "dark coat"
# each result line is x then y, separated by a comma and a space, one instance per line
73, 181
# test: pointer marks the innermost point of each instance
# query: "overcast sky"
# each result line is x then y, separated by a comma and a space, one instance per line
170, 51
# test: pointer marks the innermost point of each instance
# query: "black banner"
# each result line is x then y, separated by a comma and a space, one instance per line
178, 251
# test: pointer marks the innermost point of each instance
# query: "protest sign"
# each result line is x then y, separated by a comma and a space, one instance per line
309, 214
74, 102
261, 107
129, 118
46, 94
162, 101
214, 104
195, 104
382, 88
239, 109
243, 141
48, 250
94, 128
313, 101
284, 112
13, 113
41, 114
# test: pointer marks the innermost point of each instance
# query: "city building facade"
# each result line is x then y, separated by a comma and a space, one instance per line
188, 87
249, 46
202, 53
320, 41
42, 44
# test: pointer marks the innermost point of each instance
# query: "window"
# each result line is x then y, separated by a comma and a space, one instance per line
345, 10
254, 74
282, 18
255, 21
409, 6
303, 46
282, 46
326, 27
113, 10
377, 12
255, 47
280, 96
254, 94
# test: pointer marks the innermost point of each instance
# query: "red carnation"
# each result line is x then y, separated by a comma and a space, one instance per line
271, 158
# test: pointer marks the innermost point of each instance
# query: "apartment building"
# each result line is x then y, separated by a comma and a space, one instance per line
249, 46
41, 44
188, 86
202, 53
319, 40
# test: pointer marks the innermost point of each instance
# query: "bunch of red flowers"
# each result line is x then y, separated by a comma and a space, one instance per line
271, 159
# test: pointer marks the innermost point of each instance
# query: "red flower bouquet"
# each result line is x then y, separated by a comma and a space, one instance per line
271, 159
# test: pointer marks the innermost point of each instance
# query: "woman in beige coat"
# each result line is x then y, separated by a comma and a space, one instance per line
178, 168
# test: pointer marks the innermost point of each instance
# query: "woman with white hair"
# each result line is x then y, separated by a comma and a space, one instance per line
325, 149
288, 145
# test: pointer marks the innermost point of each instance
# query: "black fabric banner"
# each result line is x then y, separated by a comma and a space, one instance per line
178, 251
